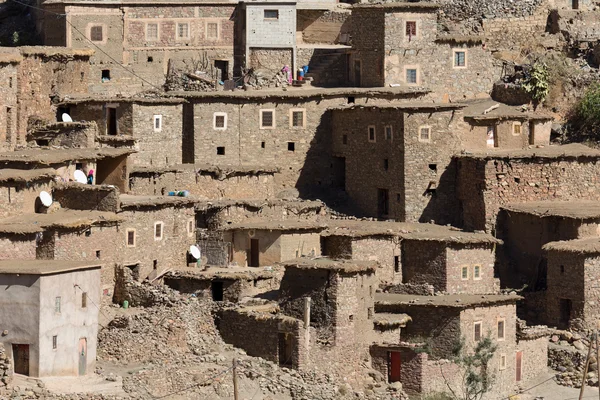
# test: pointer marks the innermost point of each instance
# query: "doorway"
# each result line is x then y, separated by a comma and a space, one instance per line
394, 366
519, 366
357, 73
285, 347
531, 133
566, 305
575, 4
111, 121
216, 288
82, 350
492, 137
254, 253
223, 66
21, 358
383, 202
9, 125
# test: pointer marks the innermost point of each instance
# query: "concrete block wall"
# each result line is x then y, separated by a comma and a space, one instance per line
262, 32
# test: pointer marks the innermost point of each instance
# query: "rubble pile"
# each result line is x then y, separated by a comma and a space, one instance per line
567, 354
460, 10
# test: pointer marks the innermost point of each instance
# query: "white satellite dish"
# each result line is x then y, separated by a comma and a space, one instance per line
80, 176
46, 198
195, 252
66, 117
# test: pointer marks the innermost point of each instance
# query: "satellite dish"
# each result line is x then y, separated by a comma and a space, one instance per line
46, 198
66, 117
80, 176
195, 252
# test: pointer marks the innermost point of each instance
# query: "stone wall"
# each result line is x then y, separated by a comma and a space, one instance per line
386, 251
515, 33
424, 262
535, 358
79, 196
483, 256
24, 245
581, 270
368, 43
6, 368
21, 198
316, 26
9, 93
64, 134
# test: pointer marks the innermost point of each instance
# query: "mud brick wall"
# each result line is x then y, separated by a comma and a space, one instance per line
484, 185
572, 277
169, 252
337, 247
97, 112
22, 245
424, 262
202, 184
514, 33
8, 111
319, 26
79, 196
535, 358
368, 42
66, 134
20, 198
483, 256
269, 62
384, 250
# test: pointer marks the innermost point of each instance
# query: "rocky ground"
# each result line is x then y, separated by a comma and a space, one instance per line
567, 354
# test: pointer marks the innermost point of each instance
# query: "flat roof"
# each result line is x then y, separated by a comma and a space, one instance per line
225, 273
298, 204
58, 156
61, 219
385, 320
26, 175
144, 2
349, 266
44, 267
132, 201
302, 93
207, 168
449, 300
408, 106
270, 225
586, 245
475, 110
408, 6
74, 100
572, 151
577, 209
51, 51
406, 230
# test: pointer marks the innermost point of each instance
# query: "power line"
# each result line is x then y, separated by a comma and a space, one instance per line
95, 305
196, 385
90, 41
525, 390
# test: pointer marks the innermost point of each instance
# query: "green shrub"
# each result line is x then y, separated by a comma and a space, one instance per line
537, 83
588, 110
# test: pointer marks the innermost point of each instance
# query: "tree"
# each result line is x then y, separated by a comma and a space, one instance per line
477, 379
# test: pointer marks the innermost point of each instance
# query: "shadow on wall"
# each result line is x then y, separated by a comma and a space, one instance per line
443, 206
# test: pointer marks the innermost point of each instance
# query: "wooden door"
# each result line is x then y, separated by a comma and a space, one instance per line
394, 366
254, 253
21, 358
519, 365
82, 351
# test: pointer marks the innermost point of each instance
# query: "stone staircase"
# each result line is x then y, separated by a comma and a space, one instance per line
327, 67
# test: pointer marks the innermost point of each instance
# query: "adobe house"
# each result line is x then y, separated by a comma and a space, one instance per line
266, 242
144, 124
527, 227
500, 126
56, 334
81, 134
572, 293
438, 324
20, 189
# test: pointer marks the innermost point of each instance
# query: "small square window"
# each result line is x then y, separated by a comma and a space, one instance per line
151, 31
150, 59
83, 300
155, 264
517, 128
501, 329
183, 30
57, 305
411, 29
105, 77
388, 133
464, 272
54, 342
157, 123
190, 226
212, 30
502, 361
158, 231
267, 119
221, 151
263, 145
98, 254
220, 121
291, 146
425, 134
460, 59
477, 331
476, 271
411, 76
371, 133
96, 33
271, 14
131, 238
297, 118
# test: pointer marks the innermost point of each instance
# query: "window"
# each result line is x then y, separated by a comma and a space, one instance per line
183, 30
98, 254
96, 33
396, 263
516, 128
150, 59
57, 305
157, 123
212, 30
386, 164
263, 145
477, 331
158, 231
105, 77
501, 329
476, 271
464, 272
151, 31
190, 226
344, 139
221, 151
84, 300
130, 237
411, 76
460, 59
371, 132
220, 121
388, 132
54, 342
155, 264
297, 118
267, 119
425, 134
291, 146
271, 14
562, 269
502, 361
411, 29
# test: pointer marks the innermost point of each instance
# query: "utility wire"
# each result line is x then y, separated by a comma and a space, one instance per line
95, 305
196, 385
91, 42
525, 390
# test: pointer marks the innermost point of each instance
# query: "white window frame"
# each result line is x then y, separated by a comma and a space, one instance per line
374, 140
271, 110
477, 277
219, 114
417, 27
189, 28
515, 124
303, 111
159, 118
153, 39
464, 268
503, 362
420, 137
503, 320
162, 230
127, 237
416, 68
480, 331
385, 129
218, 23
454, 51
